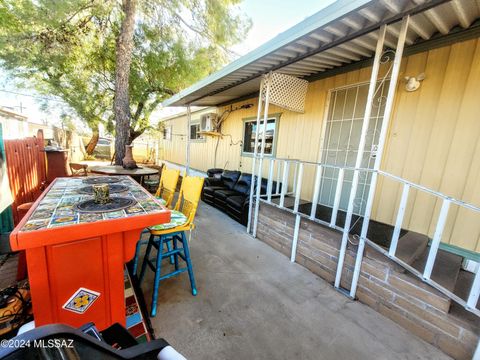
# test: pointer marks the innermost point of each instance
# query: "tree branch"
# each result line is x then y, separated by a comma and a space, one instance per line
203, 33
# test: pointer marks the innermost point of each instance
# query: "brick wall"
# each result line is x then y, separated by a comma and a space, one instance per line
382, 285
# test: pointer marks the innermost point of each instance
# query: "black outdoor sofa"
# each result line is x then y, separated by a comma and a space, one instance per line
229, 191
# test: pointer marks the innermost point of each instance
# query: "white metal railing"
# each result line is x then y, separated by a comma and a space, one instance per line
283, 180
277, 192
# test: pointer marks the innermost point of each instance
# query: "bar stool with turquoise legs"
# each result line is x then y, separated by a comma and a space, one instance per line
164, 194
173, 234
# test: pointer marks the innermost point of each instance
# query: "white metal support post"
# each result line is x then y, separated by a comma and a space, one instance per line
474, 290
338, 195
298, 192
187, 150
437, 238
293, 254
270, 179
262, 153
254, 159
316, 191
277, 188
298, 187
476, 355
284, 190
381, 146
361, 147
398, 223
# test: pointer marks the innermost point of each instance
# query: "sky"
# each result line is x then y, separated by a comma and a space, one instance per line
269, 18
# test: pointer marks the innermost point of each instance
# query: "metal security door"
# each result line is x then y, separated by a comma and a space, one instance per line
341, 140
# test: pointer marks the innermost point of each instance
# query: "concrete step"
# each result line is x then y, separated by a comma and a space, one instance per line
446, 269
462, 290
464, 284
411, 246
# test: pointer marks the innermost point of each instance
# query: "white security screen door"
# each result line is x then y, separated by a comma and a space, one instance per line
341, 140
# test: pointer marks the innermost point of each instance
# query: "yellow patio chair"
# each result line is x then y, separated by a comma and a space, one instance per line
173, 233
166, 191
155, 182
168, 185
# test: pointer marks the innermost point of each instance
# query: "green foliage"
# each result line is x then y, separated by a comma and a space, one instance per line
67, 49
48, 44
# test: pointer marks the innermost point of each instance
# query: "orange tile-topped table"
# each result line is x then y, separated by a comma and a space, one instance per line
76, 260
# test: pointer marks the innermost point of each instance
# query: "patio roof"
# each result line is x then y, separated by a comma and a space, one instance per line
341, 34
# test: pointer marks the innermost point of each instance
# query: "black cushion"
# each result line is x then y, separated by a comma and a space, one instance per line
236, 202
212, 181
215, 173
229, 178
264, 186
224, 194
231, 193
243, 184
237, 208
212, 189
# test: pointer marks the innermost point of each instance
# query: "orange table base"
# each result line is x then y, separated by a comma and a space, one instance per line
76, 262
56, 272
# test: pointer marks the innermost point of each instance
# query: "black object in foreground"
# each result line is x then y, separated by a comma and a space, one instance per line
61, 341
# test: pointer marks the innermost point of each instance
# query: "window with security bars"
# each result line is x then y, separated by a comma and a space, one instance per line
342, 138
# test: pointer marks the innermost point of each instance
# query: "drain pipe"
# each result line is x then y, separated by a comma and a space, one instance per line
187, 150
381, 145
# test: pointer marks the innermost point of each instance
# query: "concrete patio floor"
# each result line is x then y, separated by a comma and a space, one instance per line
252, 303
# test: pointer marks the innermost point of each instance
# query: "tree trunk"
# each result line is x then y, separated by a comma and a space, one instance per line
121, 105
135, 134
90, 148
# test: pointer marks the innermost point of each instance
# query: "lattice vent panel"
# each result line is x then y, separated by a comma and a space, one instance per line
286, 91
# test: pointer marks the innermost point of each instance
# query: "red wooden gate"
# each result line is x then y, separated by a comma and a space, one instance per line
26, 169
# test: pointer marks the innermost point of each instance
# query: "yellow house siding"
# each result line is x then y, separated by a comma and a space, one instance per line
432, 139
437, 151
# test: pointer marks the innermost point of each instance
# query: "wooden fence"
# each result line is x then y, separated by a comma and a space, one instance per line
26, 169
6, 217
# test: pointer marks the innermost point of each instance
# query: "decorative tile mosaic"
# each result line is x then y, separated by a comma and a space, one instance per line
135, 321
56, 207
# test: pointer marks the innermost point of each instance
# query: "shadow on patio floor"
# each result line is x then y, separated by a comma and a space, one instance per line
254, 304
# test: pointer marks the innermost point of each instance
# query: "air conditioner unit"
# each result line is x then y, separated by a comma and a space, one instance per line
208, 122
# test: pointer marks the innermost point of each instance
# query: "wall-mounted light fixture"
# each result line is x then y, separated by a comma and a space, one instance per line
412, 83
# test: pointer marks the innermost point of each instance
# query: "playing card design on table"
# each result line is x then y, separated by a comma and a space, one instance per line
64, 220
90, 217
81, 300
35, 224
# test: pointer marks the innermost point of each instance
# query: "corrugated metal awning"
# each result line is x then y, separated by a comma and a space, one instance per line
341, 34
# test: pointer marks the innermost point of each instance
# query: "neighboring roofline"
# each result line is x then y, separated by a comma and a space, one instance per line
13, 114
184, 113
317, 20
